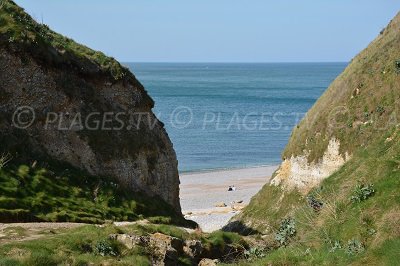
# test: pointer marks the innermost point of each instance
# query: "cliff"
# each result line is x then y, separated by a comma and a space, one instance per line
61, 101
335, 197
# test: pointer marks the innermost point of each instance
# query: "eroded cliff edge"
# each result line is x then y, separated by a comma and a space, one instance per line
52, 74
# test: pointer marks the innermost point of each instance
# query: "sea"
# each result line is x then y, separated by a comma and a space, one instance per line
232, 115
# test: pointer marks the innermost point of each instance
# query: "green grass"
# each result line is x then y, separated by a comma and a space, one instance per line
18, 29
81, 246
73, 247
373, 221
220, 239
61, 193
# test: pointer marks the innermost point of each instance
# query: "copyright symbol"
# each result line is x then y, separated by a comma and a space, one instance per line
181, 117
23, 117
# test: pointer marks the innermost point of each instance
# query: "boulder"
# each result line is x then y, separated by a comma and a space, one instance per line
166, 249
130, 241
193, 248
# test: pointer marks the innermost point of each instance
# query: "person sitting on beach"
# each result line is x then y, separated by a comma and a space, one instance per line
232, 188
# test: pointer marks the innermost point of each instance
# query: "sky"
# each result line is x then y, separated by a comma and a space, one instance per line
219, 30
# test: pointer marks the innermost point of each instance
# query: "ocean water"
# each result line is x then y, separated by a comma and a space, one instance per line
222, 116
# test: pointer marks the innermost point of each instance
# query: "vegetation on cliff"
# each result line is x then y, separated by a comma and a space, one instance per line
17, 28
61, 193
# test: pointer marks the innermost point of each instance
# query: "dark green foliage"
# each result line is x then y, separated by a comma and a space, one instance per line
286, 231
362, 192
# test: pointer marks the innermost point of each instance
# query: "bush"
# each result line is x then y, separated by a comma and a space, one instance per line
286, 231
105, 248
314, 203
255, 253
362, 192
336, 246
380, 109
354, 246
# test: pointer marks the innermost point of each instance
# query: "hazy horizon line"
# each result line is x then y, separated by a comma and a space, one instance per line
233, 62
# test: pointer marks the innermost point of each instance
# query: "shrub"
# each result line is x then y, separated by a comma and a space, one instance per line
286, 231
362, 192
336, 246
380, 109
354, 246
314, 203
255, 253
105, 248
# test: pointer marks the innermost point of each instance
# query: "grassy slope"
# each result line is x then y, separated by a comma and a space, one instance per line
62, 193
79, 246
369, 91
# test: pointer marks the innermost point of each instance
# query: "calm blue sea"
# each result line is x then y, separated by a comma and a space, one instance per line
232, 115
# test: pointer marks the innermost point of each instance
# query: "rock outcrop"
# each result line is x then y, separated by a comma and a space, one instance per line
166, 250
298, 173
61, 101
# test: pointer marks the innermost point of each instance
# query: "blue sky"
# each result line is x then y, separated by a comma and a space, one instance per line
219, 30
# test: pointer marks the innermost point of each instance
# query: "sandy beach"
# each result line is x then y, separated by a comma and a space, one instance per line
200, 193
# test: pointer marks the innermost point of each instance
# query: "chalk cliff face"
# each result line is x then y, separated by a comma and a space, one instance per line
298, 173
89, 111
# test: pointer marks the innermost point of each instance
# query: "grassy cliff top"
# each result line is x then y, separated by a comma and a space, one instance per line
20, 31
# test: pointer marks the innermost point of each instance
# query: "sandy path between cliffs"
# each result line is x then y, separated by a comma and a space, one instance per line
201, 192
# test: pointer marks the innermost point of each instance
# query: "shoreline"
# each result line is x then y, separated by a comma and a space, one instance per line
201, 193
212, 170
